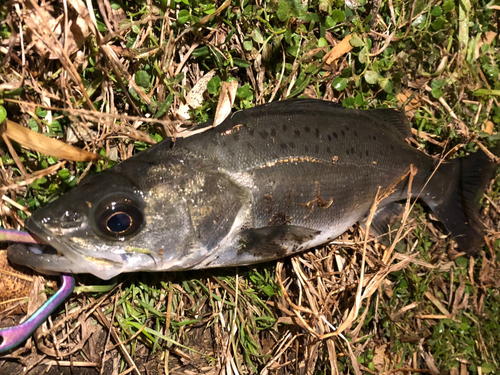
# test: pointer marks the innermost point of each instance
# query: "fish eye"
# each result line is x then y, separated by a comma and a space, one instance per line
119, 217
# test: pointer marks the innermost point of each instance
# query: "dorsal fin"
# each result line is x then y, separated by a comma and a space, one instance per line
393, 118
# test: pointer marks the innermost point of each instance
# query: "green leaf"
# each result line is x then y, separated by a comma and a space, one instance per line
363, 56
244, 92
213, 85
164, 106
356, 41
339, 83
115, 5
322, 42
257, 36
438, 24
248, 45
359, 100
448, 6
241, 63
438, 83
183, 16
269, 290
41, 112
293, 8
142, 78
492, 71
462, 262
283, 12
338, 16
386, 85
437, 11
329, 22
101, 26
33, 124
371, 77
437, 93
488, 368
3, 114
64, 174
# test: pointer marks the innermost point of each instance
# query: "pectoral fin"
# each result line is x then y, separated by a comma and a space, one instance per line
274, 242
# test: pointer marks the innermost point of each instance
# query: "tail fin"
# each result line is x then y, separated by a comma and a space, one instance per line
458, 206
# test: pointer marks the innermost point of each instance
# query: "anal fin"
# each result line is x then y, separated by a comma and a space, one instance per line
385, 220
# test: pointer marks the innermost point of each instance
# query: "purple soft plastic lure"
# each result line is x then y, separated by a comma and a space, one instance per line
14, 336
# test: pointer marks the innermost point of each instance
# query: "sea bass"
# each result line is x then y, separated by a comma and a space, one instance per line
268, 182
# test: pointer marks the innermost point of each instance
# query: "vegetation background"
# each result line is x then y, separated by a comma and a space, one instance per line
113, 77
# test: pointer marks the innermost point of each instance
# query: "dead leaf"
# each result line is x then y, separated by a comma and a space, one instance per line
74, 37
194, 99
226, 101
487, 38
339, 50
45, 145
414, 103
488, 127
379, 357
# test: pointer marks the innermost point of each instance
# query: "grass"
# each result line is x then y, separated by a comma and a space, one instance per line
137, 61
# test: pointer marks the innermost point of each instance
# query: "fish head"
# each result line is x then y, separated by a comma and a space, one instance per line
133, 217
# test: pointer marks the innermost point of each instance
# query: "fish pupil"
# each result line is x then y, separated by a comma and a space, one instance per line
119, 222
117, 217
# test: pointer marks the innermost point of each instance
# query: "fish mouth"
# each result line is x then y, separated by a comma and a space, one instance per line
52, 256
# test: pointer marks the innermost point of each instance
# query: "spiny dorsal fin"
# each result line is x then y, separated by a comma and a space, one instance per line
393, 118
390, 117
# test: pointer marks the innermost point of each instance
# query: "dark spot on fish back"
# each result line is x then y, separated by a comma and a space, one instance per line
366, 152
283, 146
306, 149
329, 150
297, 132
317, 133
392, 148
236, 137
284, 127
273, 132
374, 138
307, 129
264, 134
347, 152
346, 128
352, 150
250, 146
250, 131
335, 135
329, 137
355, 133
343, 133
291, 144
223, 143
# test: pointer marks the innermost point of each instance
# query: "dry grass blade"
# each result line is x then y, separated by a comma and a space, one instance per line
45, 145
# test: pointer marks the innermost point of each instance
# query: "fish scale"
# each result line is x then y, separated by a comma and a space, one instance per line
267, 182
309, 154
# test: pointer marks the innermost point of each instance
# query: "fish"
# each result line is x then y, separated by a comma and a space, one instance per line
268, 182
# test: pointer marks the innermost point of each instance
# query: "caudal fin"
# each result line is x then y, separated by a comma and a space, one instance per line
458, 208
